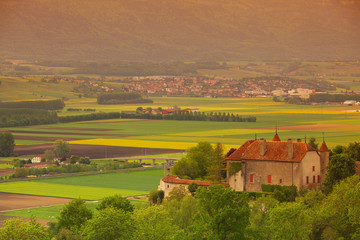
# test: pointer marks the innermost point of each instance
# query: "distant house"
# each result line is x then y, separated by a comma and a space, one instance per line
277, 162
351, 103
37, 158
192, 109
169, 182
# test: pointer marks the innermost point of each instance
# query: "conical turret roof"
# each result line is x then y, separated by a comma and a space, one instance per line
323, 147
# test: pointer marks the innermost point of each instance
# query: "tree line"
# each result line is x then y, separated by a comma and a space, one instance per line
26, 117
191, 116
22, 172
89, 117
325, 97
56, 104
121, 98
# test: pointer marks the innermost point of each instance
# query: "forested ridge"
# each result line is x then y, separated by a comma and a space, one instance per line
137, 30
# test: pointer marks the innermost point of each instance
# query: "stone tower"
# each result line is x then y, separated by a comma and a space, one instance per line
324, 160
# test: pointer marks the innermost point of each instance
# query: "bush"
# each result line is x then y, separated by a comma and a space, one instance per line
281, 193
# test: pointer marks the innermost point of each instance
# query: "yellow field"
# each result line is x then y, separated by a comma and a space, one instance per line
142, 143
222, 132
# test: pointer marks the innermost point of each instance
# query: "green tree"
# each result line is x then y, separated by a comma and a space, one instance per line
154, 222
217, 166
17, 229
258, 217
353, 150
109, 224
289, 221
337, 150
84, 160
21, 172
192, 188
313, 143
196, 162
177, 193
182, 212
340, 167
74, 215
116, 202
339, 212
156, 197
61, 148
223, 213
73, 159
7, 144
49, 155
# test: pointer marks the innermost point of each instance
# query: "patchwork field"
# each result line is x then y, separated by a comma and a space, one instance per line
125, 137
89, 187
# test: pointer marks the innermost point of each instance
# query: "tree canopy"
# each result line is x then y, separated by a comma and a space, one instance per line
61, 148
340, 167
17, 229
7, 144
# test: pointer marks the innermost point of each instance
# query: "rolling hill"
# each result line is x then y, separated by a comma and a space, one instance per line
156, 30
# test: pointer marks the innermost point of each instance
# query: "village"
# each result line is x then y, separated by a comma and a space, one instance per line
222, 87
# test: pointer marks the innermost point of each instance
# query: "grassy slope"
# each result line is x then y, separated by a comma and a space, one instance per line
90, 187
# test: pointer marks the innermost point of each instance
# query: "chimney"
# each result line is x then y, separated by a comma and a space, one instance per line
290, 149
262, 147
299, 140
167, 171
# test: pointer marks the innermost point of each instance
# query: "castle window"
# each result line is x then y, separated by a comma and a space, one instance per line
168, 186
269, 179
280, 181
314, 179
251, 178
307, 179
318, 178
313, 168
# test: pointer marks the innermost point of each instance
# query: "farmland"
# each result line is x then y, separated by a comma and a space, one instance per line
340, 125
89, 187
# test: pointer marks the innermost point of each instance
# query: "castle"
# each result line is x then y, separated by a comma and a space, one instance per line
277, 162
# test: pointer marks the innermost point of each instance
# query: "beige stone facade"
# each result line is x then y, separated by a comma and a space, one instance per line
276, 162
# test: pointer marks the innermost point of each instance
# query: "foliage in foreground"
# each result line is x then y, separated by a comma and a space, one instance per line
17, 229
214, 213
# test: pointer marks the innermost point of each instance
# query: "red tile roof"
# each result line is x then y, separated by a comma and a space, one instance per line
275, 151
276, 137
176, 179
239, 152
323, 147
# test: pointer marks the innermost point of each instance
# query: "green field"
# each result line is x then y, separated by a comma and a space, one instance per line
52, 212
341, 125
89, 187
49, 212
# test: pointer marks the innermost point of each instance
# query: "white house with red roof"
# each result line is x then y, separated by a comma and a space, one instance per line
277, 162
169, 182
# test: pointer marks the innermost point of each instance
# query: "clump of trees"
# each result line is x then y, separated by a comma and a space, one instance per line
7, 144
57, 104
62, 149
26, 117
341, 164
122, 98
202, 162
